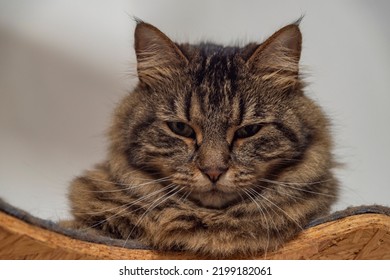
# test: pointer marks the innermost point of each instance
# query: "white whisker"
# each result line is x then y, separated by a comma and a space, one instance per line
279, 191
265, 218
291, 186
277, 207
126, 207
295, 183
128, 186
157, 202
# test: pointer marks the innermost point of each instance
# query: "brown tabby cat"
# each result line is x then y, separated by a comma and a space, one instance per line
217, 151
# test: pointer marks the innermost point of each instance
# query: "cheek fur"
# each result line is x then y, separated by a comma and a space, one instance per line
155, 148
267, 146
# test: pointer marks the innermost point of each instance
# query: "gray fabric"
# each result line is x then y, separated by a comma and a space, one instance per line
351, 211
133, 244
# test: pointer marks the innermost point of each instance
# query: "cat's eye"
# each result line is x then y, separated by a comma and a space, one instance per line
247, 131
182, 129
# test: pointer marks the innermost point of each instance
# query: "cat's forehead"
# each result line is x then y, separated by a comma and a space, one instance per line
218, 89
214, 64
215, 74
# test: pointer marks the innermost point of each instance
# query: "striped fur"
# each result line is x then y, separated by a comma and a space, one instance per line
212, 192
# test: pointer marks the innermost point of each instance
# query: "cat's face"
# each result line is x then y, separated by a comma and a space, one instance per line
217, 122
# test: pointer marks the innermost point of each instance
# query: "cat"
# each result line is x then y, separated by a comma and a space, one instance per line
217, 151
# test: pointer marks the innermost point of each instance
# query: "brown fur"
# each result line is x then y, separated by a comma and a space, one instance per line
208, 188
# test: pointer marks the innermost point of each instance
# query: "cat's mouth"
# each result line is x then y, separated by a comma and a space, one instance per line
214, 198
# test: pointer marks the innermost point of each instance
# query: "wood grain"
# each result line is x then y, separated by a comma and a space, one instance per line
365, 236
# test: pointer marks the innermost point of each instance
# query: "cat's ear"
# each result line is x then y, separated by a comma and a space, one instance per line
277, 59
158, 58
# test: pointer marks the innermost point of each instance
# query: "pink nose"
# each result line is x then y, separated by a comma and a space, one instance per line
214, 173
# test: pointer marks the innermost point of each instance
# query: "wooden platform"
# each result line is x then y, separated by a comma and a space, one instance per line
365, 236
361, 236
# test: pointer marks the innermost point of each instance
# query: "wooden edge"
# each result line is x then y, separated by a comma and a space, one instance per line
365, 236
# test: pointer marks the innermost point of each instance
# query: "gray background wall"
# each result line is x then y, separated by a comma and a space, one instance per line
65, 64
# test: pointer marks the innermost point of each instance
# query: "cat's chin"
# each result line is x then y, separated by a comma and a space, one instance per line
214, 199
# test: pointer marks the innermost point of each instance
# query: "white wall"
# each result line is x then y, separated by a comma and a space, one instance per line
65, 64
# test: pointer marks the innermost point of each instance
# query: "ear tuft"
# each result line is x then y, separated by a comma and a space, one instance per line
157, 55
277, 59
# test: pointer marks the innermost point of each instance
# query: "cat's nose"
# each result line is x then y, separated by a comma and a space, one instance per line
214, 173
